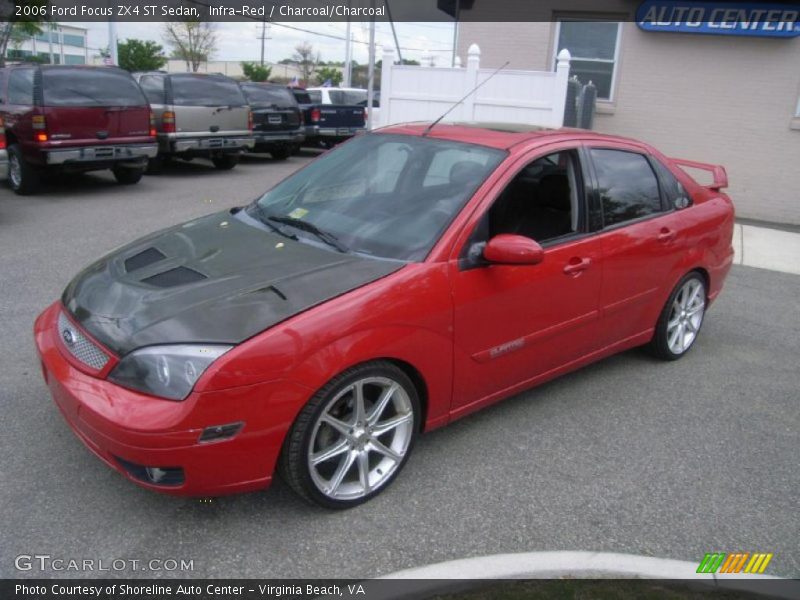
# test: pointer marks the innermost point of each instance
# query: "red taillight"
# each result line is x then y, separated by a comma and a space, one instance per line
39, 125
152, 124
2, 135
315, 115
250, 120
168, 122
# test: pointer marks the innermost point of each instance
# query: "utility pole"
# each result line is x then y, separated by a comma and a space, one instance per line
112, 42
347, 53
371, 68
264, 37
455, 31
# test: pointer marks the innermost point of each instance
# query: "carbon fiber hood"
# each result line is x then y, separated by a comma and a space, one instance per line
218, 279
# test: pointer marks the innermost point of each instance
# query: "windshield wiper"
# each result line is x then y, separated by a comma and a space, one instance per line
326, 237
265, 219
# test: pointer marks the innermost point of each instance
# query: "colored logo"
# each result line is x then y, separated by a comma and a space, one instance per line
739, 562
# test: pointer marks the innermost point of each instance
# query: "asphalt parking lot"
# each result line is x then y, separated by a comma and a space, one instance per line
629, 455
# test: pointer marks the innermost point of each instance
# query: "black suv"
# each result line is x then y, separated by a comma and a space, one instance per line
277, 120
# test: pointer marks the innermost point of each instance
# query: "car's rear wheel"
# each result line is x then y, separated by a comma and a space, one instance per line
353, 437
225, 162
126, 175
281, 152
681, 319
22, 177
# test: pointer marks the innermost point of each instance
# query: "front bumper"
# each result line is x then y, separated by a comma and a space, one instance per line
99, 154
3, 165
211, 144
123, 427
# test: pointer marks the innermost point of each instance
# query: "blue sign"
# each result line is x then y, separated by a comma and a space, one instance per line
720, 18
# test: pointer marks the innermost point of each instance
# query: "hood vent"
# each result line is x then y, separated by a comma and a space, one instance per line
175, 277
143, 259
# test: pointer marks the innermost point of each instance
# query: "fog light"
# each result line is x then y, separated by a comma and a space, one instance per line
221, 432
154, 475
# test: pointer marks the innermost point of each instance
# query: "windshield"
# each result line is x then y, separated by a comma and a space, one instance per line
384, 195
261, 95
90, 87
348, 97
200, 90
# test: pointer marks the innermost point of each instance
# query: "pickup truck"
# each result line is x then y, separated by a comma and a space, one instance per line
198, 115
328, 124
347, 95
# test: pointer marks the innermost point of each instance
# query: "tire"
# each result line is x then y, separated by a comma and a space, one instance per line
23, 178
681, 318
156, 165
225, 162
357, 453
127, 176
281, 153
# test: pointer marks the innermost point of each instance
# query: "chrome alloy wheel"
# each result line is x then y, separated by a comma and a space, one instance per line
14, 171
686, 316
360, 438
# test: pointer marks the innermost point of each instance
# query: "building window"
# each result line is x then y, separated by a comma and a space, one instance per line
74, 59
74, 40
594, 46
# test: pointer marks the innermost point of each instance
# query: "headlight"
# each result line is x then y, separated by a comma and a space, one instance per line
166, 371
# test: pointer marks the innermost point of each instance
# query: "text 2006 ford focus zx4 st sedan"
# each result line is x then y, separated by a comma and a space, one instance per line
400, 281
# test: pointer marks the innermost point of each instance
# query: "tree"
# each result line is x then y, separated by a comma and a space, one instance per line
256, 72
329, 73
139, 55
307, 59
15, 32
191, 41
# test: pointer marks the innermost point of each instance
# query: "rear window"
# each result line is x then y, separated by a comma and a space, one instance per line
316, 96
90, 87
348, 97
301, 97
197, 90
261, 95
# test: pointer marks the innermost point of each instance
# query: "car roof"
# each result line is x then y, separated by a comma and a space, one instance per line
503, 136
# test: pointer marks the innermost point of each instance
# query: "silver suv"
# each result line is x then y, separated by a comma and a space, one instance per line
198, 115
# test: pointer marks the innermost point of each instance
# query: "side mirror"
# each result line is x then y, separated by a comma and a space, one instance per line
510, 249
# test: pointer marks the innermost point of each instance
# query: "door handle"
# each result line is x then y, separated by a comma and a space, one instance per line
576, 265
666, 235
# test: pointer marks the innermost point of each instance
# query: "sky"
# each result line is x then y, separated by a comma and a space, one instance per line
241, 41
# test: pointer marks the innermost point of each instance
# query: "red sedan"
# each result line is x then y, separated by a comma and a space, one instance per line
405, 279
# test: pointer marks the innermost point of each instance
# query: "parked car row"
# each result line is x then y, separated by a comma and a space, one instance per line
81, 118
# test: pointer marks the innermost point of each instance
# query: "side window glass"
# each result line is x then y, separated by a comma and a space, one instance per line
674, 192
627, 184
153, 88
542, 202
2, 86
20, 86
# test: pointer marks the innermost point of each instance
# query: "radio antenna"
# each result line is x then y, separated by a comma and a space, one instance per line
468, 94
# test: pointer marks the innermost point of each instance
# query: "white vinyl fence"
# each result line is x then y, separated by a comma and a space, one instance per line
419, 93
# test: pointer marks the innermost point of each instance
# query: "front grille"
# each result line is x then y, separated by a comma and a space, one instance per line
79, 345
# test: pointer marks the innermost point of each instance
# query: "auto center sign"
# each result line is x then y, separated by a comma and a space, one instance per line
720, 18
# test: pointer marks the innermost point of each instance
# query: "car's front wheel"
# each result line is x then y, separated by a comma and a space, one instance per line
681, 319
353, 437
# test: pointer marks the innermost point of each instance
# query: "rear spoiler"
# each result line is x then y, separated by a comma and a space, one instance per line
718, 171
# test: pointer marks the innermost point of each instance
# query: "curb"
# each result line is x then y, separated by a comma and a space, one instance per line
586, 565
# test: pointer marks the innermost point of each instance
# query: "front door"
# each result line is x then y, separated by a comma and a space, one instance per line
516, 323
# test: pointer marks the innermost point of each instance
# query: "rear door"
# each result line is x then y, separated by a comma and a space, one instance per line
642, 238
210, 105
91, 105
